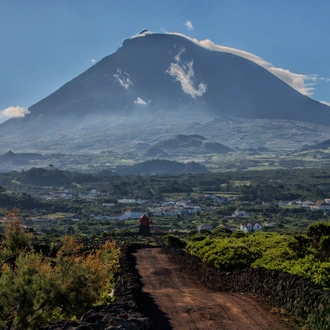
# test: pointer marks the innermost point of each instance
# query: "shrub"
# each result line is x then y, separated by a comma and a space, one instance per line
34, 288
174, 241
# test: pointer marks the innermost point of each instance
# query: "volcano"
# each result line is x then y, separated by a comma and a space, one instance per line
152, 78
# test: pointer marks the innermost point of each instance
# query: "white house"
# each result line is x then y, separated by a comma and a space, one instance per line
170, 212
99, 217
93, 193
257, 226
129, 214
240, 214
126, 200
307, 204
108, 204
249, 227
327, 200
132, 201
216, 198
190, 209
205, 226
322, 206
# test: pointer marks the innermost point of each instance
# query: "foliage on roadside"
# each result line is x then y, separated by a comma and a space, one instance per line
304, 255
174, 241
35, 288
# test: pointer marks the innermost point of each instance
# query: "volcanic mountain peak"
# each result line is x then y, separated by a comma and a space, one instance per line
154, 77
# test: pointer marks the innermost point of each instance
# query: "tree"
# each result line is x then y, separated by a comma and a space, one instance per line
315, 232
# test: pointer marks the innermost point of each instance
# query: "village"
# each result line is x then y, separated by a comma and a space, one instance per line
207, 212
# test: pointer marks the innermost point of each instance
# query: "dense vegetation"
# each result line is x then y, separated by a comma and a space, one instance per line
256, 186
36, 287
306, 255
161, 166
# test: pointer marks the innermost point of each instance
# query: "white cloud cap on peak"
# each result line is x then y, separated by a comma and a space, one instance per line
14, 112
325, 102
303, 83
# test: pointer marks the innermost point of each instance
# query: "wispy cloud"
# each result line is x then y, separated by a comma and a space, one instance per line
303, 83
93, 60
184, 73
189, 25
14, 112
177, 57
325, 102
123, 78
140, 101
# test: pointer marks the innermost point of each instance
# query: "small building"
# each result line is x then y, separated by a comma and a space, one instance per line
144, 225
240, 214
250, 227
108, 204
232, 228
322, 206
307, 204
99, 217
205, 226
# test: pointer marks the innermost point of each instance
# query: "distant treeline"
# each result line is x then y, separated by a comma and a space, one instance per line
254, 186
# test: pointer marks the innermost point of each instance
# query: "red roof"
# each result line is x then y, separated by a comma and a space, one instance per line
143, 220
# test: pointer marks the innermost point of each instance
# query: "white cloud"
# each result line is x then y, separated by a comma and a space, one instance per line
185, 74
325, 102
140, 101
178, 55
303, 83
328, 79
189, 25
93, 60
123, 78
14, 112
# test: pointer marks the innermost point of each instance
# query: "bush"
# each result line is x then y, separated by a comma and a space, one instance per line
174, 241
225, 254
34, 289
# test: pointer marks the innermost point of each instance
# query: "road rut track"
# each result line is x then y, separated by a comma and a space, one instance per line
173, 299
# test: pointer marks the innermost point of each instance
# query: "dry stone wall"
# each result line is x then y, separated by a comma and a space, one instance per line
296, 294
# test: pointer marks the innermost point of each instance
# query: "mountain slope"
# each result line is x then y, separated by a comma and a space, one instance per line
157, 76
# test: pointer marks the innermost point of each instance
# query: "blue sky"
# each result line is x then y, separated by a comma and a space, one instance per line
44, 44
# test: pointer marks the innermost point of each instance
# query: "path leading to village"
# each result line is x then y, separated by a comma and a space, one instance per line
173, 299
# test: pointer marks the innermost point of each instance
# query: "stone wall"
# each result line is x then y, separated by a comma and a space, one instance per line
296, 294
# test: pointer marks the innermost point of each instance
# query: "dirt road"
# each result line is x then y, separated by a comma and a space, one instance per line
175, 300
